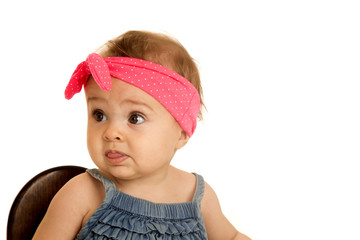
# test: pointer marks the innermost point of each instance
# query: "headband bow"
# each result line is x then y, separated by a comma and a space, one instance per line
173, 91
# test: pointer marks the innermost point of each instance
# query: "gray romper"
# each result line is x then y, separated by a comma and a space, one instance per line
122, 216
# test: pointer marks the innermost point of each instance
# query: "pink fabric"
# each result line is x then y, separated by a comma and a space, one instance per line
172, 90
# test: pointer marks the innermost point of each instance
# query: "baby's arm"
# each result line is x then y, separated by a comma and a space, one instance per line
66, 211
217, 225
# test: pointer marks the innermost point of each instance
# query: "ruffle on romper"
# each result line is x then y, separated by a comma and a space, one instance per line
122, 216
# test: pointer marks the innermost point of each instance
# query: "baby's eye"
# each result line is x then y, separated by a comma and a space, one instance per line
99, 116
136, 118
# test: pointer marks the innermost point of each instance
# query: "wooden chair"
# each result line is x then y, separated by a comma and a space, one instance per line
31, 203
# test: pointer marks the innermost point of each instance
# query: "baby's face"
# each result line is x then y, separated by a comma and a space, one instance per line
130, 134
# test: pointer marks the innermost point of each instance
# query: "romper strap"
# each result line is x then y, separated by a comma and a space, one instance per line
200, 186
108, 184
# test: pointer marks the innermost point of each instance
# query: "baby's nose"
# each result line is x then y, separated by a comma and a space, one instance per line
114, 133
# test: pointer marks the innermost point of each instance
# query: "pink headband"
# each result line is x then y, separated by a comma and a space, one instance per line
172, 90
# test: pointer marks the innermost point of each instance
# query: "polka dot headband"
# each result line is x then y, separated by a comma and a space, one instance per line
173, 91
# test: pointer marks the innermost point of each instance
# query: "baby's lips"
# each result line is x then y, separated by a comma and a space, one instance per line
114, 154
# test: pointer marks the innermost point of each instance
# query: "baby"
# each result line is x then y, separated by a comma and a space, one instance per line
144, 96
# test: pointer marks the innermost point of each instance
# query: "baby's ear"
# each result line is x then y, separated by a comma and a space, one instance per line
183, 139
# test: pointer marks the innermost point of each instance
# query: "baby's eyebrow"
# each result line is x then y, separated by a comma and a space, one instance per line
138, 102
89, 99
126, 101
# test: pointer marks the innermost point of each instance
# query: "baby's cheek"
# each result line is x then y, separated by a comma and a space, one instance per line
94, 146
156, 154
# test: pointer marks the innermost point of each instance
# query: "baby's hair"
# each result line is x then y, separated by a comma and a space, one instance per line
157, 48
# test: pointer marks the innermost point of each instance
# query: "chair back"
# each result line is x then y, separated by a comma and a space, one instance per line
32, 201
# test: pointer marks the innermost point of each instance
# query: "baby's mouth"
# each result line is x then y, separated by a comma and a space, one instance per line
114, 154
115, 157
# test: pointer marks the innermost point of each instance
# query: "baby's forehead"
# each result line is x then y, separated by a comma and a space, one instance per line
118, 87
120, 91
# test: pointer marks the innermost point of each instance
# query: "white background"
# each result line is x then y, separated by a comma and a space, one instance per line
280, 140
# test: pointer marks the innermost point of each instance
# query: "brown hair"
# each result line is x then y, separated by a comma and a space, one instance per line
157, 48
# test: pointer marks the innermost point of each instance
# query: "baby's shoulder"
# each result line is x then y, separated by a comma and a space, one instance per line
185, 178
86, 188
84, 193
84, 183
189, 182
70, 207
183, 185
81, 189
